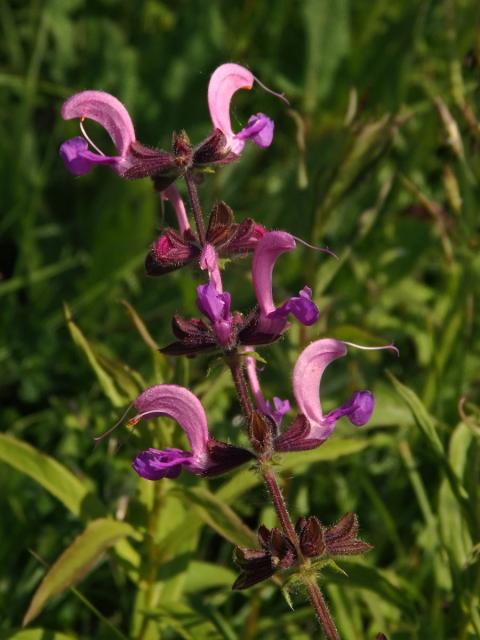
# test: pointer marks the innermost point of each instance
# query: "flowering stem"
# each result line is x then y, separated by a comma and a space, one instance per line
321, 609
241, 387
196, 208
314, 592
281, 508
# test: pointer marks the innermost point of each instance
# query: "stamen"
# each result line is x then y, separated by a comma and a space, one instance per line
280, 96
109, 431
321, 249
392, 347
87, 138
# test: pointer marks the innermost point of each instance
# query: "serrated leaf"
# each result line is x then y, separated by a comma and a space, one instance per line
51, 475
75, 562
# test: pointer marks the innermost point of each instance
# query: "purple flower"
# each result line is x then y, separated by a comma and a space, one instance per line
259, 130
216, 306
274, 320
207, 456
225, 81
132, 160
280, 407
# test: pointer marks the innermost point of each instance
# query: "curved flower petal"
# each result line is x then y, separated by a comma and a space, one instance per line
107, 111
172, 195
269, 248
272, 320
209, 261
280, 407
307, 377
225, 81
180, 404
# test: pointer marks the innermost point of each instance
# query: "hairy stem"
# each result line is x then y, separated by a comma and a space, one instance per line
314, 592
316, 598
241, 387
281, 508
321, 609
196, 208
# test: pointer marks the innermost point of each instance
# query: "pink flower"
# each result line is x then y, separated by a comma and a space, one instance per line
274, 319
226, 80
133, 160
206, 456
312, 427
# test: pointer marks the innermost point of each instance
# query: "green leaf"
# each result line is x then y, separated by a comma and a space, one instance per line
426, 426
205, 575
386, 584
453, 526
218, 515
327, 31
51, 475
105, 380
35, 634
76, 561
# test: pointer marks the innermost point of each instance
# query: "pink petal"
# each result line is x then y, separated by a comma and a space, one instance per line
307, 376
172, 195
268, 249
181, 405
225, 81
107, 111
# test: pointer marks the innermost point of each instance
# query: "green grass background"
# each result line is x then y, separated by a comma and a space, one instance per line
378, 158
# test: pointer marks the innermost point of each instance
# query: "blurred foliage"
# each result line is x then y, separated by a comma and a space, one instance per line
379, 159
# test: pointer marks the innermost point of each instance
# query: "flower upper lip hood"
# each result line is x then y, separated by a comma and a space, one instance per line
107, 111
269, 248
207, 456
307, 377
224, 82
181, 405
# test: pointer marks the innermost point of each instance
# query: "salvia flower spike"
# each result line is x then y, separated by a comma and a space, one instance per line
206, 456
